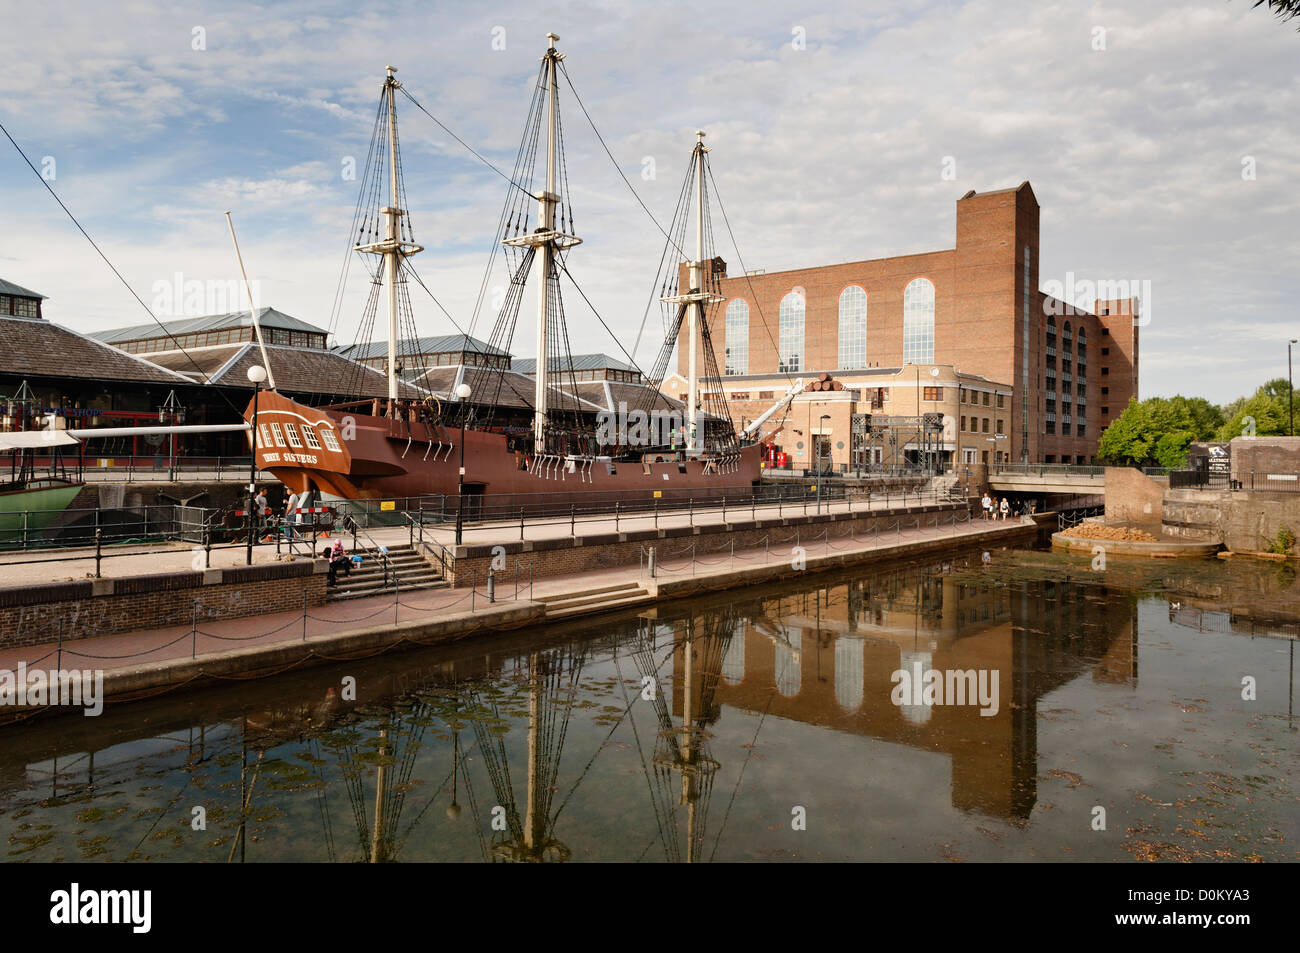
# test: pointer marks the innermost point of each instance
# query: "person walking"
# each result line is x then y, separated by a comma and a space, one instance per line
1005, 506
987, 504
259, 503
290, 515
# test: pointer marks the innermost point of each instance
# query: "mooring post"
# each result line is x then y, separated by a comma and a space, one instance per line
473, 589
650, 562
690, 511
58, 663
194, 630
616, 516
304, 615
397, 596
724, 509
99, 549
572, 516
516, 579
492, 586
530, 582
656, 514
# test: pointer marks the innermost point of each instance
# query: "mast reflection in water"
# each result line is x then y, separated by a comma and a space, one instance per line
698, 731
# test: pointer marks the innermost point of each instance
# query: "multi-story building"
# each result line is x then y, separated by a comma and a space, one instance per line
975, 308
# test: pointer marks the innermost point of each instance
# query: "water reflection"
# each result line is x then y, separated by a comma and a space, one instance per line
604, 741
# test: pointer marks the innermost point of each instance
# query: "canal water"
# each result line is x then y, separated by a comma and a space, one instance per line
1141, 712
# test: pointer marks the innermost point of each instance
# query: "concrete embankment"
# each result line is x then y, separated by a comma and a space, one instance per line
144, 663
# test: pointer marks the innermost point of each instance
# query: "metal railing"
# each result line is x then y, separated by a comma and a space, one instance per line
1252, 480
1049, 469
153, 468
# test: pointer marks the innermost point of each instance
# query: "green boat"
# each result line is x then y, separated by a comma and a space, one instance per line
29, 499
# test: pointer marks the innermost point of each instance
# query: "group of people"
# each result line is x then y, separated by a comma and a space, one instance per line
995, 508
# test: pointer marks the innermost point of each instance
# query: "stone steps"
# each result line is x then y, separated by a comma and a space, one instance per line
407, 570
594, 600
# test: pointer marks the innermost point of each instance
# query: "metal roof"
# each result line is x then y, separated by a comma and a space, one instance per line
267, 317
432, 344
9, 288
38, 349
579, 362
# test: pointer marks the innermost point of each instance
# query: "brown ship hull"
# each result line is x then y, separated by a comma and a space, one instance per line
364, 456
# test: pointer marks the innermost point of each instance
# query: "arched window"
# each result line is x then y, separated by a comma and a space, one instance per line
733, 659
737, 339
791, 332
1066, 345
849, 673
789, 675
853, 329
918, 322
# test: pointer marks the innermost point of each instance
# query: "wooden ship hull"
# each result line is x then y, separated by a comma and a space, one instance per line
358, 454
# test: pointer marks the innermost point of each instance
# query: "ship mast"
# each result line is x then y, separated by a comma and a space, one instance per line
695, 300
547, 240
392, 248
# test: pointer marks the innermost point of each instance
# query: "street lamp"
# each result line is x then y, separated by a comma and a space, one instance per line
462, 394
819, 458
1290, 391
256, 375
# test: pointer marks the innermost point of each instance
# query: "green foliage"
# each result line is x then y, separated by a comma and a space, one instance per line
1267, 406
1157, 431
1282, 543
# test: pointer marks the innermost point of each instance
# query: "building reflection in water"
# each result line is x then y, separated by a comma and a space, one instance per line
822, 655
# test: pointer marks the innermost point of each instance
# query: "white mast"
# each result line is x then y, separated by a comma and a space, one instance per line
697, 310
695, 299
392, 248
546, 219
546, 239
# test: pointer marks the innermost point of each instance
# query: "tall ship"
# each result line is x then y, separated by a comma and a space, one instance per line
511, 433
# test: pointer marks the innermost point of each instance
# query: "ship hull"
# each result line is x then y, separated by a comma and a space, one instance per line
379, 458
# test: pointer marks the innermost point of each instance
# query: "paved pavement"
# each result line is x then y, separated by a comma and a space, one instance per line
124, 650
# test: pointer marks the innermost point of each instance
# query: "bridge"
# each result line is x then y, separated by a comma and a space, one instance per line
1047, 478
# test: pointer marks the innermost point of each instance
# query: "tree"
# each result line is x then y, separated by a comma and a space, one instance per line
1282, 9
1263, 414
1158, 430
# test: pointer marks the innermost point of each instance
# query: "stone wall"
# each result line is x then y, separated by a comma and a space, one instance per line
1132, 496
1245, 521
31, 615
553, 557
1260, 461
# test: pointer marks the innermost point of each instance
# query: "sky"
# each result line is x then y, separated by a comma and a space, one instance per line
1160, 138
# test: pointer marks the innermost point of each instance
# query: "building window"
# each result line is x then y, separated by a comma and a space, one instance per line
1001, 401
986, 398
1051, 337
1105, 372
25, 307
985, 424
737, 337
853, 328
266, 434
1105, 352
963, 425
331, 442
1066, 345
765, 394
791, 333
1105, 390
961, 396
1079, 431
932, 393
1049, 424
291, 432
309, 434
1000, 430
1105, 411
279, 437
918, 322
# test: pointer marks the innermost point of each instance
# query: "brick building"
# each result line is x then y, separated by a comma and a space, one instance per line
976, 308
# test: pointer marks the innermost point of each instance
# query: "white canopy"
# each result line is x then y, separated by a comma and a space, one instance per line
36, 439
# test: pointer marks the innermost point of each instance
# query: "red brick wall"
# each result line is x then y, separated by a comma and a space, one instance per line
980, 320
97, 607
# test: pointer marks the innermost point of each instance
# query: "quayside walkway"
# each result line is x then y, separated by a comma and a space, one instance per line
139, 663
